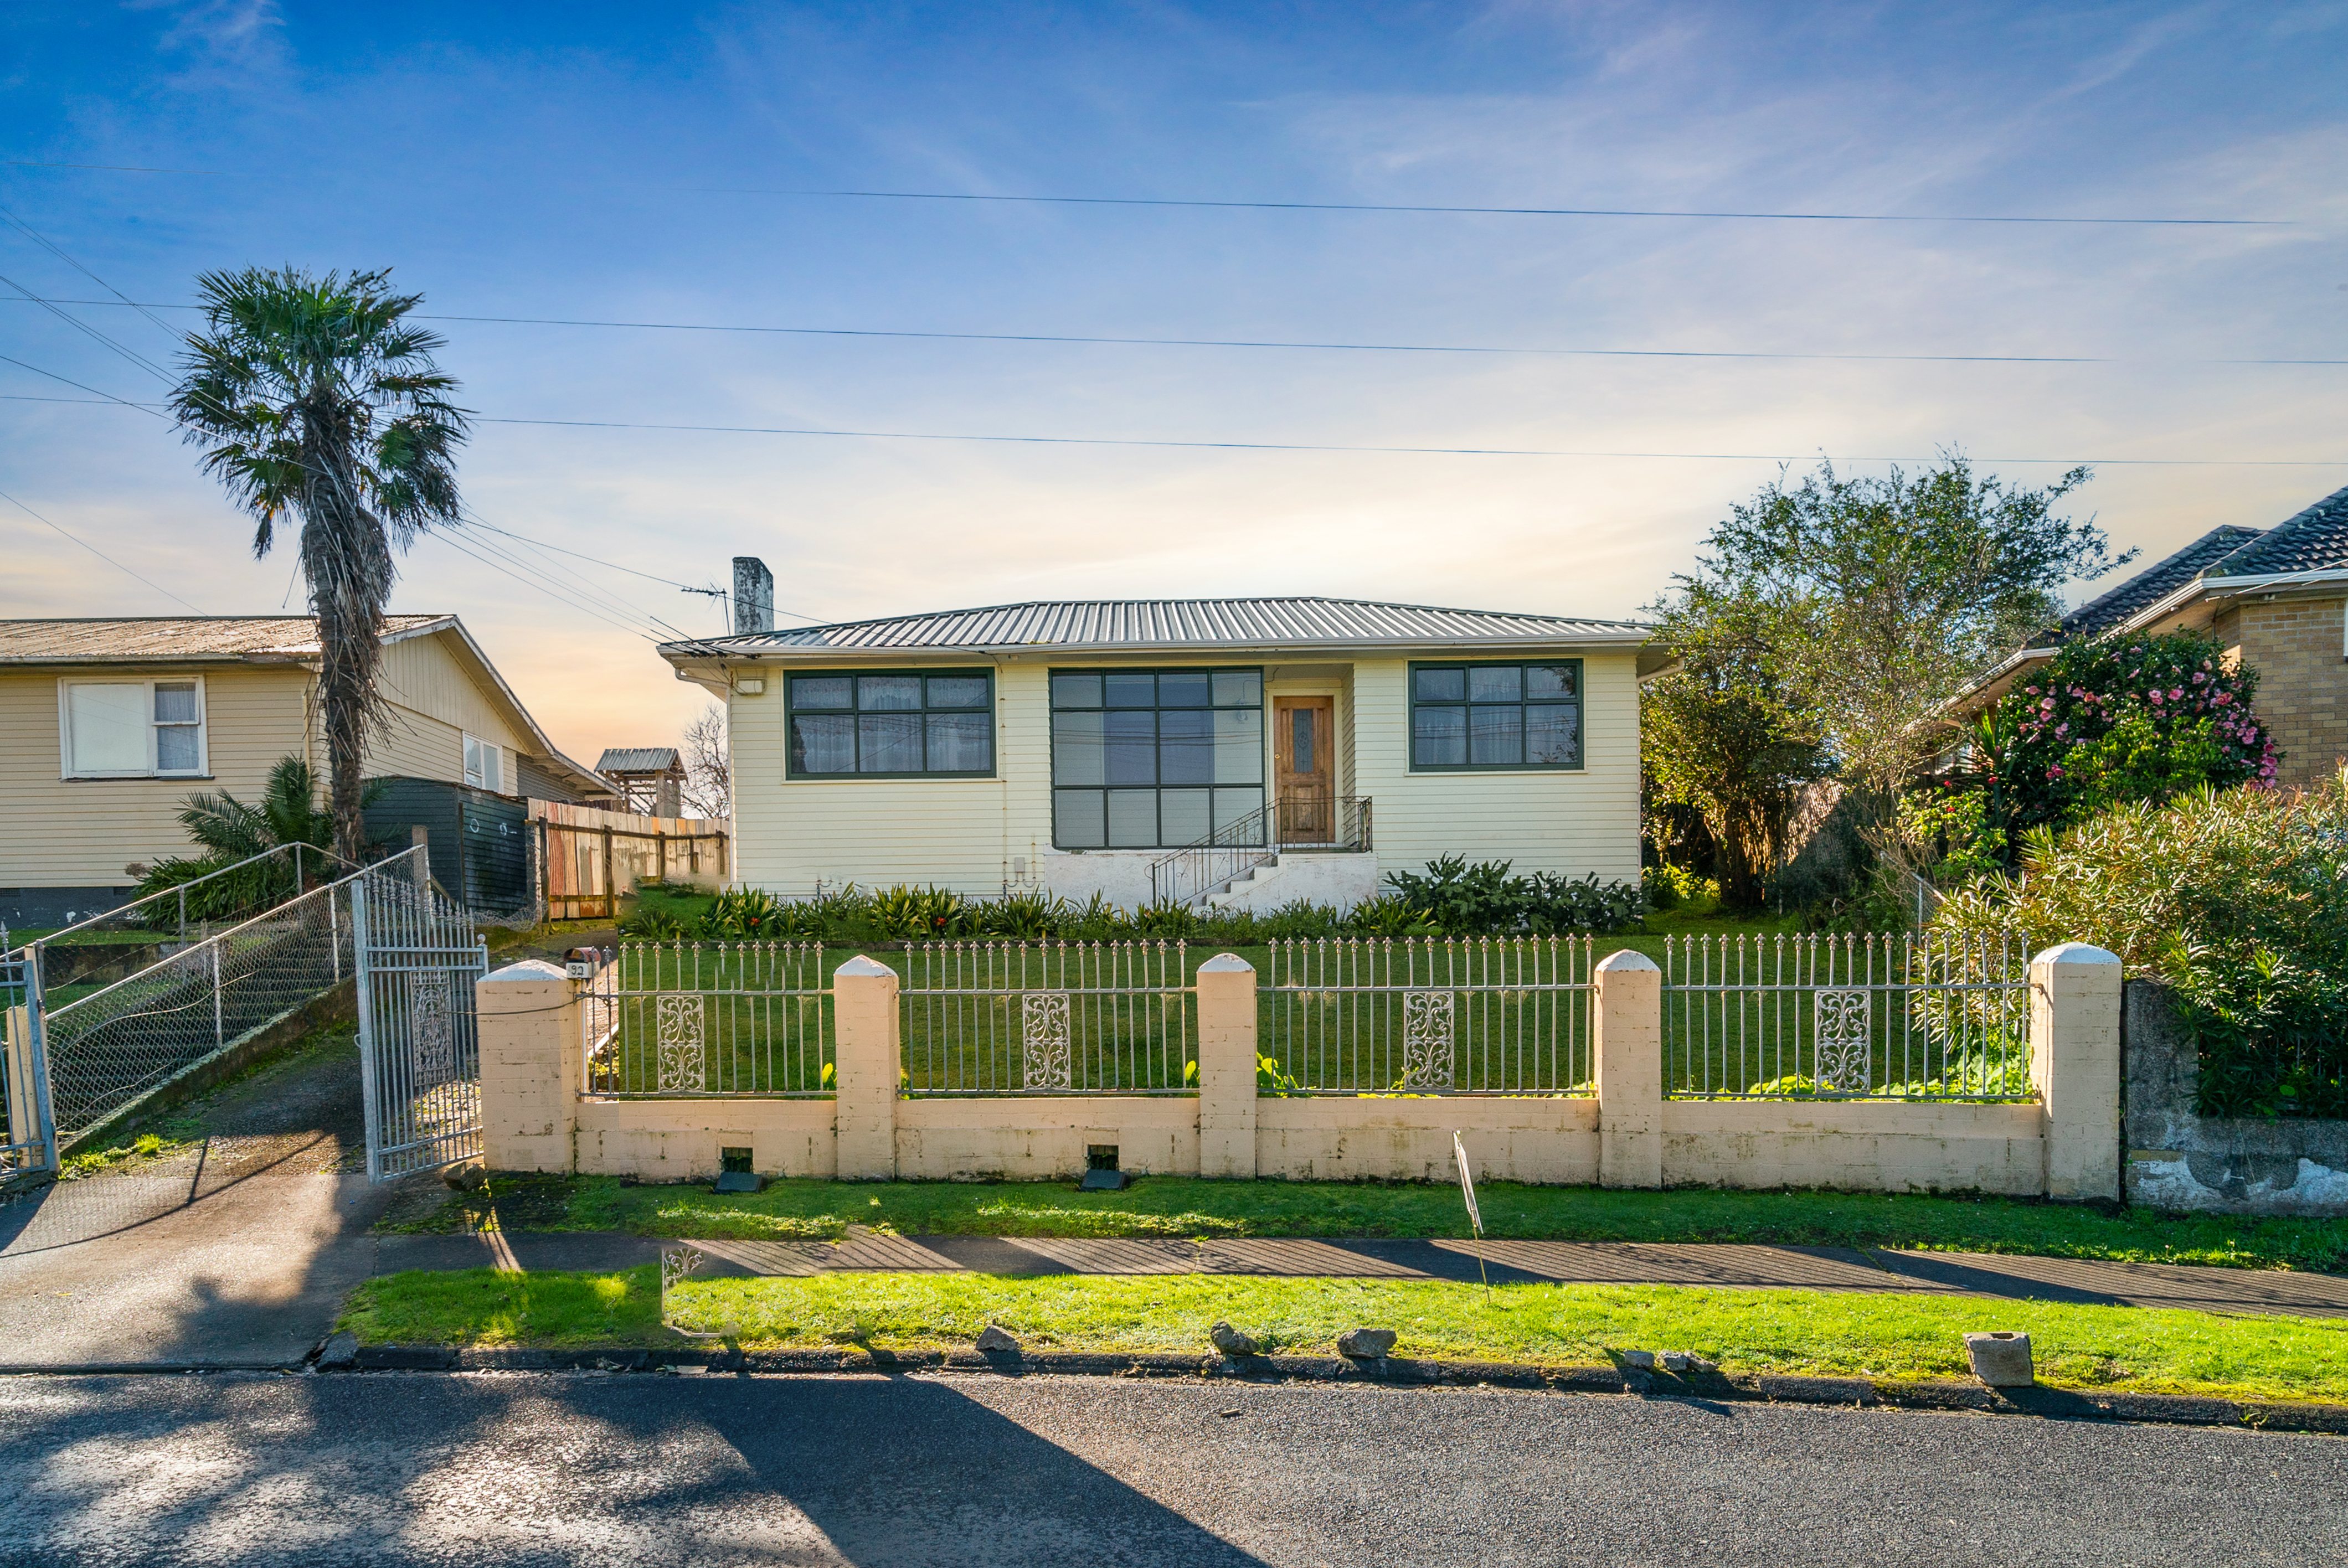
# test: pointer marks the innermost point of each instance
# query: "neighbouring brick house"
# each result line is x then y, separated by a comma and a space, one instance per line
2277, 598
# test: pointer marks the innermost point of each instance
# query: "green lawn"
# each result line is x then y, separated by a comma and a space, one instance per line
1170, 1206
1891, 1336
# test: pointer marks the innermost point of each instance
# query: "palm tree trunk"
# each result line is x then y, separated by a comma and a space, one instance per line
349, 566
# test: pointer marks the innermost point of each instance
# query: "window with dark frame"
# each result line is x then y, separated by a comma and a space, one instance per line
1154, 759
1496, 717
891, 723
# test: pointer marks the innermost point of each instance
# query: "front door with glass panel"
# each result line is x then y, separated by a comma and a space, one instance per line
1307, 781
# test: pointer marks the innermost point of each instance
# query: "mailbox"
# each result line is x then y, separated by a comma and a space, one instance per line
583, 962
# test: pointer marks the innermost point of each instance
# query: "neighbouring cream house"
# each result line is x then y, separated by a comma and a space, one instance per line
1246, 751
106, 727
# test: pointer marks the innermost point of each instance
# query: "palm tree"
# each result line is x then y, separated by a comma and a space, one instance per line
315, 397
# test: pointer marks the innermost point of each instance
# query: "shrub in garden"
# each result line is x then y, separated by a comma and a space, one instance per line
1483, 900
2107, 722
2238, 899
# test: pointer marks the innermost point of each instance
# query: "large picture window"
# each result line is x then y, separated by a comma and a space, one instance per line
132, 729
892, 724
1494, 717
1154, 759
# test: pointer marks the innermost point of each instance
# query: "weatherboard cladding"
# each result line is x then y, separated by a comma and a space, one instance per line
1236, 623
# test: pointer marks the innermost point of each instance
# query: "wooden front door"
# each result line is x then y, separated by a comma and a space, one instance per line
1304, 771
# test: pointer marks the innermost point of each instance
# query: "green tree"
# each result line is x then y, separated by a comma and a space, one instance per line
1871, 600
316, 399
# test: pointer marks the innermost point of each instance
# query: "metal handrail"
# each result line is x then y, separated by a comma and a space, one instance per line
227, 931
181, 892
1197, 869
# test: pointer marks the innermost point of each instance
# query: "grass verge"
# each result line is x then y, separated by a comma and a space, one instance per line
1890, 1336
1177, 1207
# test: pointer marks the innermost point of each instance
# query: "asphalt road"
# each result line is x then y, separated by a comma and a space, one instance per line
512, 1468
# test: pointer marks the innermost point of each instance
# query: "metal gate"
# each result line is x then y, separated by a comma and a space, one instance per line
419, 1052
28, 1142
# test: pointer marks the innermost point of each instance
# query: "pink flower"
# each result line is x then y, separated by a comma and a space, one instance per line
2174, 693
2198, 678
2062, 729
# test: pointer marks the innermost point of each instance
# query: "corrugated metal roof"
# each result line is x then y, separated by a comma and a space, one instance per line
165, 639
1169, 623
2157, 581
636, 759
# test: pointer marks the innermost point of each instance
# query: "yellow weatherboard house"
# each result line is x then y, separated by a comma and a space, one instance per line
1239, 752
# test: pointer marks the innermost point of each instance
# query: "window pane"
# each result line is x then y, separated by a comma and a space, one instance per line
1182, 816
887, 691
1439, 685
109, 729
1549, 680
1182, 689
1130, 689
823, 743
1077, 820
1238, 688
1553, 734
472, 762
492, 766
175, 703
1076, 692
1133, 819
1239, 745
1130, 754
957, 690
823, 691
1186, 749
888, 744
175, 749
1496, 735
1077, 755
960, 743
1439, 735
1496, 683
1300, 741
1231, 804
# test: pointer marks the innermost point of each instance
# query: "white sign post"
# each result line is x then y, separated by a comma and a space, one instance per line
1468, 1194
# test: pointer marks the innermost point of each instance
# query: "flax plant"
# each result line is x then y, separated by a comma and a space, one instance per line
315, 399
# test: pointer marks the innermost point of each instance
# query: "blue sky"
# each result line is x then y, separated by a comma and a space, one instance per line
622, 163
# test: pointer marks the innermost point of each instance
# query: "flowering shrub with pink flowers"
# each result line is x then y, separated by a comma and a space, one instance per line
2105, 723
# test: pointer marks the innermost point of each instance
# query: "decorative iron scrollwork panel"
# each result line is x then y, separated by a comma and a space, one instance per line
1044, 1037
1429, 1027
683, 1063
433, 1033
1844, 1038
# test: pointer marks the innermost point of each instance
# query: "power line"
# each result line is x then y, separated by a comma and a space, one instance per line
1320, 446
114, 167
93, 549
141, 361
1494, 211
54, 249
1415, 451
53, 375
614, 566
1286, 343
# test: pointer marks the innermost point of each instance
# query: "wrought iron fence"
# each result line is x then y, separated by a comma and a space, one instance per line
1428, 1015
710, 1017
113, 1044
1894, 1016
1049, 1018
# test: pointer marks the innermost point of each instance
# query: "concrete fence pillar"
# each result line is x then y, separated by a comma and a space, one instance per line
1227, 1056
868, 1055
1626, 1019
527, 1015
2075, 1065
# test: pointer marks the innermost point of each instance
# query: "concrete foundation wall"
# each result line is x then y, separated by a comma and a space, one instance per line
2178, 1160
1330, 1139
1872, 1145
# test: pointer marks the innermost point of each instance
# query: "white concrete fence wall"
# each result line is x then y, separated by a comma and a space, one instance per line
2067, 1145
